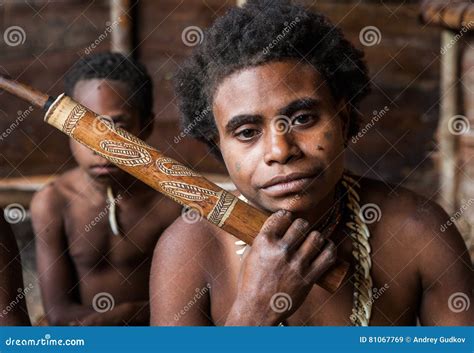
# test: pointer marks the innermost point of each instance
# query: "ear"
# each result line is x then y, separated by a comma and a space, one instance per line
146, 132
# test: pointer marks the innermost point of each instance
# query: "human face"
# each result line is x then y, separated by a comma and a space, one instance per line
279, 120
109, 99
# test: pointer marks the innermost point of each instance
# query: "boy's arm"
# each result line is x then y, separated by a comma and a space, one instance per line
127, 313
57, 276
11, 279
445, 271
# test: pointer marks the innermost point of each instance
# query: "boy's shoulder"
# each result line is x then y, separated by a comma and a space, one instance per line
56, 194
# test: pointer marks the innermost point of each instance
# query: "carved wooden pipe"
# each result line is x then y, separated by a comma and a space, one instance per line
163, 174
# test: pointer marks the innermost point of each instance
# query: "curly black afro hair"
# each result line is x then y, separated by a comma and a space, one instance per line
116, 67
260, 32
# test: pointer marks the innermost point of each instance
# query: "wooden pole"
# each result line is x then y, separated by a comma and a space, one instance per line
448, 141
122, 31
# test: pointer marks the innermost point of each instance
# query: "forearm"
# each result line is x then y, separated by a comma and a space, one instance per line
67, 314
128, 313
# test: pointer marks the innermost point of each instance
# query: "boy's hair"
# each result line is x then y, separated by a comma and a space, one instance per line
261, 32
116, 67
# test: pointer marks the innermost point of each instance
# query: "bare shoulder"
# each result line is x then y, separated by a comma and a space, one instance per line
187, 239
397, 204
49, 203
417, 224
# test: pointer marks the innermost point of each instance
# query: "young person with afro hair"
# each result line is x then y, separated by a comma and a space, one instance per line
95, 225
277, 89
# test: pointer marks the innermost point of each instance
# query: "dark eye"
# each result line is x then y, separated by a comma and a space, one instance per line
303, 119
246, 134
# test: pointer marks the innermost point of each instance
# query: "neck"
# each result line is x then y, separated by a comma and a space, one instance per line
124, 187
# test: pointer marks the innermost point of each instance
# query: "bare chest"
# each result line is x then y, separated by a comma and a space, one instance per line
92, 243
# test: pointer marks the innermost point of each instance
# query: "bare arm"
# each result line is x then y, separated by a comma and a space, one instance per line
57, 276
177, 271
446, 273
126, 313
11, 279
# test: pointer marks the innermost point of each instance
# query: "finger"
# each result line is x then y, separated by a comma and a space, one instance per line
311, 247
323, 262
296, 234
276, 225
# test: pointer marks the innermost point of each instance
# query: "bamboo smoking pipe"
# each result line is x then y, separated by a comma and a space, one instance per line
160, 172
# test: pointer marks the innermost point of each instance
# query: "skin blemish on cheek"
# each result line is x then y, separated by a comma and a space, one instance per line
320, 148
328, 135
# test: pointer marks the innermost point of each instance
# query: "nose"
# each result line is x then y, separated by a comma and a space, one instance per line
280, 147
99, 158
